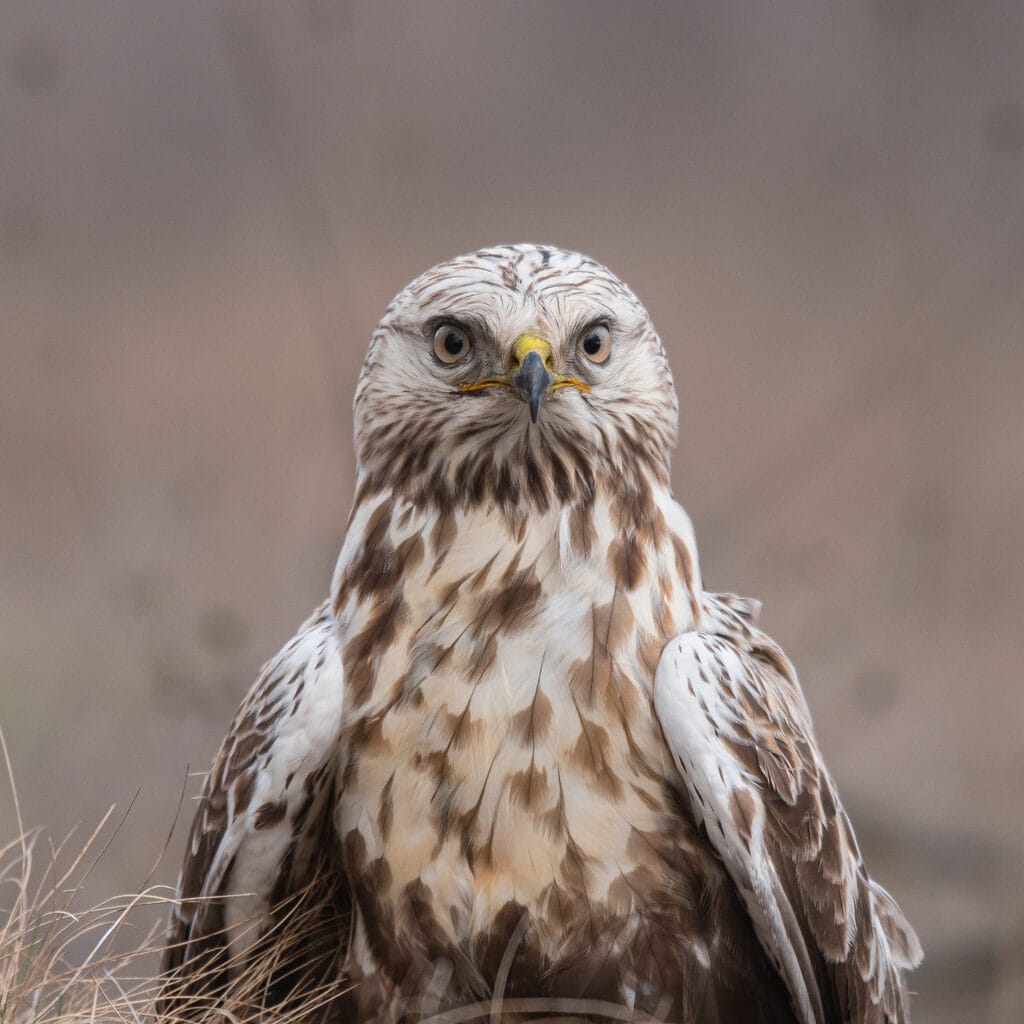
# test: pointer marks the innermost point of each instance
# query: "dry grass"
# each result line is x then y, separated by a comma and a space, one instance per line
64, 961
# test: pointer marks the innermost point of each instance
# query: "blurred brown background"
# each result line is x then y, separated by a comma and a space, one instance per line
205, 207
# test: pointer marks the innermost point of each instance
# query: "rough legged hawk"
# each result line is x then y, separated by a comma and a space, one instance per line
520, 758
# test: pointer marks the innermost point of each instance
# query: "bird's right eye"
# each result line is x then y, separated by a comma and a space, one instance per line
451, 343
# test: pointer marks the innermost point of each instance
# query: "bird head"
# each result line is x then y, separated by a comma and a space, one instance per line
517, 374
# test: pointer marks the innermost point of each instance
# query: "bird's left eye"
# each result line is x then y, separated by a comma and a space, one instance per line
596, 344
451, 343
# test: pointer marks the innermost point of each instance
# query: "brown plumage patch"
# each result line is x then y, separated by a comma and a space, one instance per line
382, 567
529, 789
433, 764
582, 532
386, 811
589, 678
744, 752
743, 809
592, 678
442, 536
243, 751
684, 565
612, 625
510, 606
633, 501
560, 909
510, 277
480, 579
447, 598
270, 814
591, 754
205, 844
371, 884
627, 559
661, 850
649, 648
243, 789
366, 736
461, 728
552, 822
575, 870
378, 634
417, 902
359, 681
507, 945
531, 724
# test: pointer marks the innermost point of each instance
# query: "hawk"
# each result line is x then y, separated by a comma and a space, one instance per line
520, 759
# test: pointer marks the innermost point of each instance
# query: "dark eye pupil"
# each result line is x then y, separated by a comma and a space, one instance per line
453, 343
592, 344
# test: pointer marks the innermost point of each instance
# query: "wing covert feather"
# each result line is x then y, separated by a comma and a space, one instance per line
739, 730
263, 809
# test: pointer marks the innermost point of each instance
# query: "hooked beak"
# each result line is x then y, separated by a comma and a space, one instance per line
531, 377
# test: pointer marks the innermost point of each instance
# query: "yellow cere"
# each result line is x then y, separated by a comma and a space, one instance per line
527, 343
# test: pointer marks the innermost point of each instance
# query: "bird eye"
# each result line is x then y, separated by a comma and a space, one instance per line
596, 344
450, 343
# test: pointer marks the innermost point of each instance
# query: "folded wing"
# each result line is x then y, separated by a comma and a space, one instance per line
262, 835
740, 733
